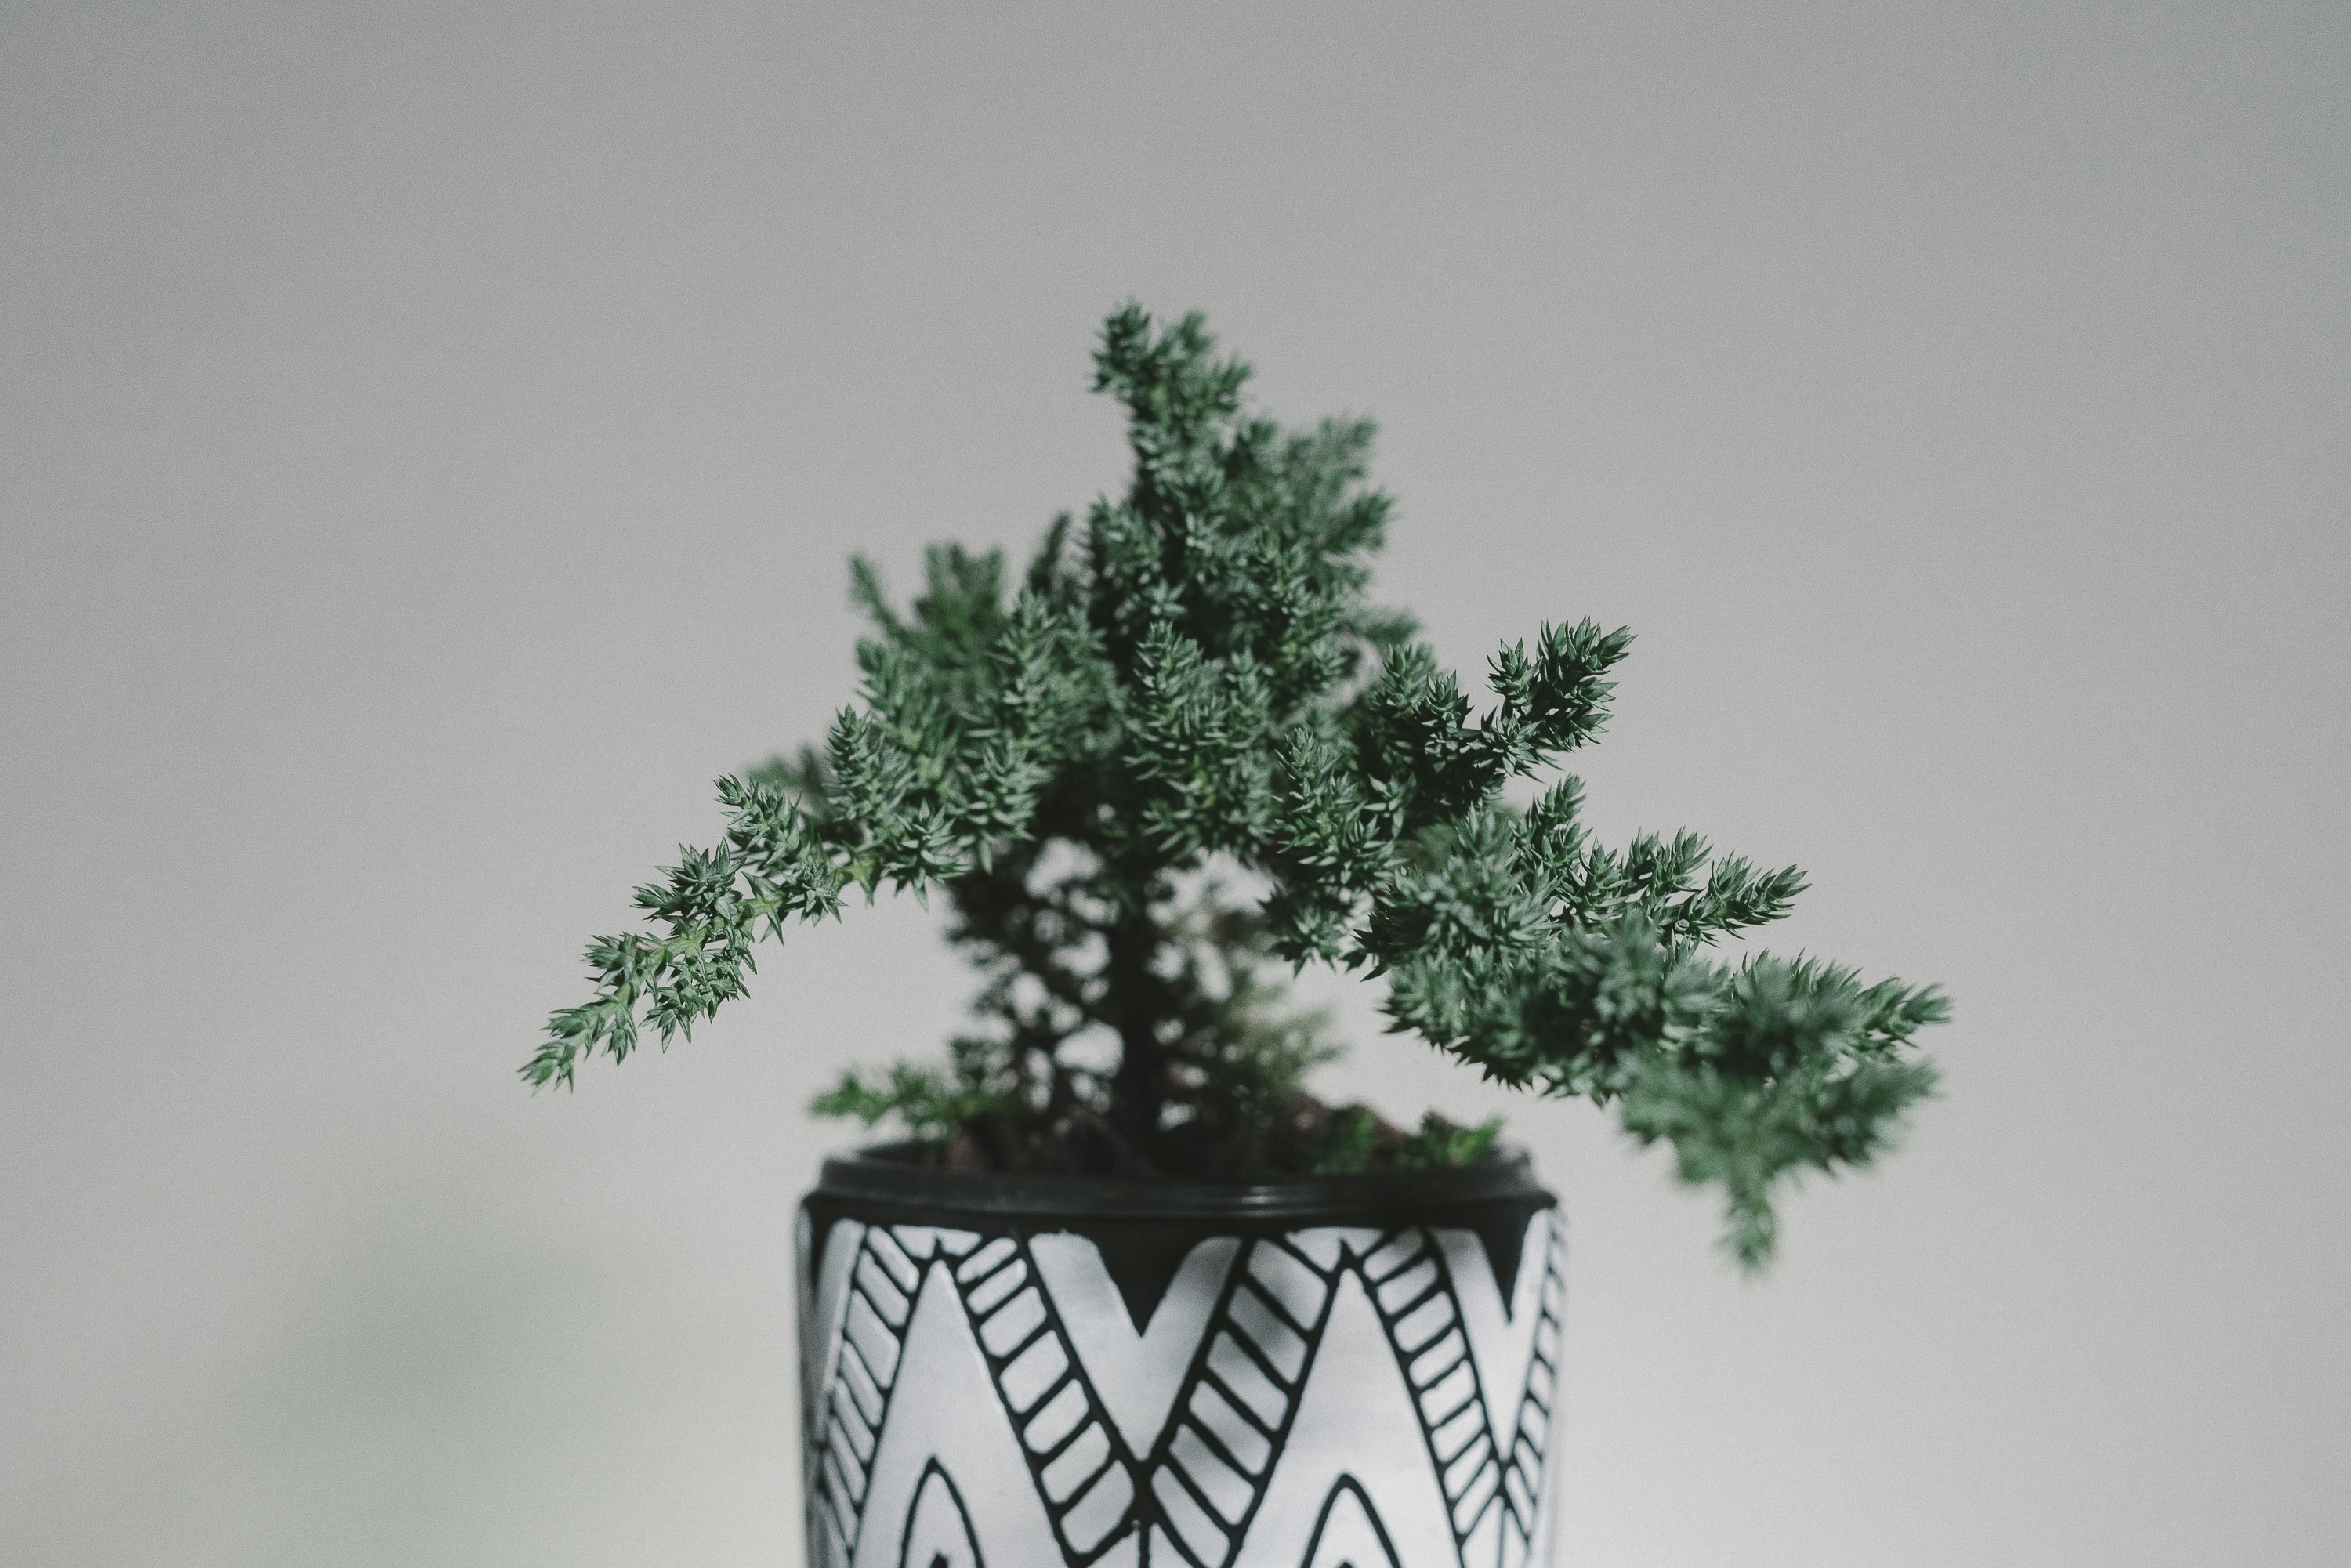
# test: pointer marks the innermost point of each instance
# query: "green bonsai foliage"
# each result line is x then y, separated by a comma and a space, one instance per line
1183, 748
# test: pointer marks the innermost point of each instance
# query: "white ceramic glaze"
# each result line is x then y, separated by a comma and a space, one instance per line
979, 1397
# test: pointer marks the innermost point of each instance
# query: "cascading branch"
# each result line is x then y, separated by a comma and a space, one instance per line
1189, 691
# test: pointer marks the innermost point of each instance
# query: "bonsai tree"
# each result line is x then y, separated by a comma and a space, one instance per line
1183, 748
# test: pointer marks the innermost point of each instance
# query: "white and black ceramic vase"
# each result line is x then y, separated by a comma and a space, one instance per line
1018, 1372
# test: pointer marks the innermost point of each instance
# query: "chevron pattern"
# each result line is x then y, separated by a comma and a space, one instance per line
1522, 1472
1422, 1311
1209, 1472
1191, 1498
1073, 1452
863, 1371
1423, 1318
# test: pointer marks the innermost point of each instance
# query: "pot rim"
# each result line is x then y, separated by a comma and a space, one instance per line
886, 1173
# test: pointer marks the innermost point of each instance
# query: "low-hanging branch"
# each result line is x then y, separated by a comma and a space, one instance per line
1191, 687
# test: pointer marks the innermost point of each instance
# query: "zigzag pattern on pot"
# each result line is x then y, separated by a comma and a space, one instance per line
1522, 1473
1414, 1289
1211, 1468
1074, 1454
861, 1316
1081, 1401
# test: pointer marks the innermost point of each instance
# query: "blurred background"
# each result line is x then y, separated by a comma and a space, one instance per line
433, 437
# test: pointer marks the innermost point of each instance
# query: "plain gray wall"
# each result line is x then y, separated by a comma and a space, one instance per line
432, 436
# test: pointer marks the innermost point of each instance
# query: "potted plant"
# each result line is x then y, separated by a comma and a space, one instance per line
1127, 1293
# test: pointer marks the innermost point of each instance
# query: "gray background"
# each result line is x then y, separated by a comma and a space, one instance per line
433, 434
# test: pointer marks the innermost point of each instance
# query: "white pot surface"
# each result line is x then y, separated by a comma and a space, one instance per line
1307, 1398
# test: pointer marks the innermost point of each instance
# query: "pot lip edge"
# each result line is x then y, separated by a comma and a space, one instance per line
868, 1174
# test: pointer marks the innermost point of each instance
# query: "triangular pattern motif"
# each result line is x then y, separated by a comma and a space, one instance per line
1355, 1418
1081, 1467
944, 1414
1501, 1331
1137, 1376
1184, 1496
867, 1313
1526, 1470
1211, 1468
1488, 1444
938, 1532
1348, 1534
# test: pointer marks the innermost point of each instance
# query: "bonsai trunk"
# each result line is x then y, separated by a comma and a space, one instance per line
1138, 1089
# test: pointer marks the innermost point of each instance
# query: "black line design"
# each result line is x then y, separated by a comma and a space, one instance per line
1237, 1402
1192, 1497
854, 1406
1346, 1484
1522, 1473
934, 1471
1081, 1466
1413, 1295
1412, 1288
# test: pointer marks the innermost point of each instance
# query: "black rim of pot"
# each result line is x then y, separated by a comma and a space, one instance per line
1144, 1229
892, 1175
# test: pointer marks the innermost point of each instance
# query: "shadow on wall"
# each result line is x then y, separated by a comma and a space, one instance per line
433, 1382
437, 1373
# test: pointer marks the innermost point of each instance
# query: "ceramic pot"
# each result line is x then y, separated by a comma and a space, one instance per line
1026, 1370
